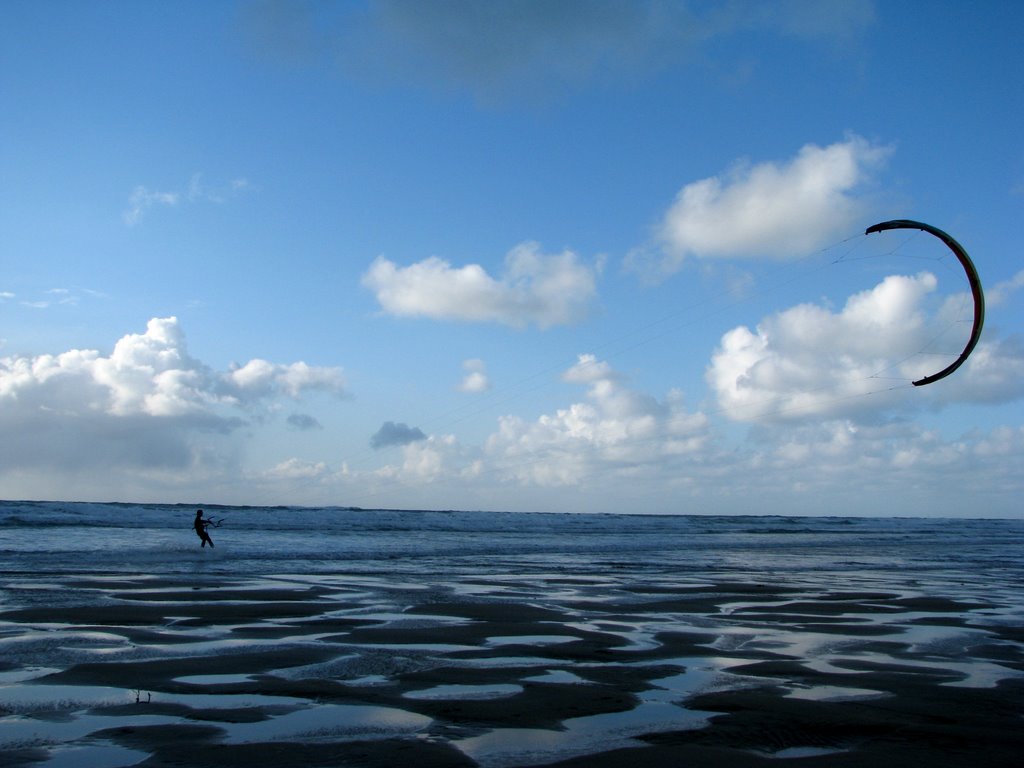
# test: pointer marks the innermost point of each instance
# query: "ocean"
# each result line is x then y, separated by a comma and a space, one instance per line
44, 537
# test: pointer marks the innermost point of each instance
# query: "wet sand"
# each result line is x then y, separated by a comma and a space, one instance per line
497, 670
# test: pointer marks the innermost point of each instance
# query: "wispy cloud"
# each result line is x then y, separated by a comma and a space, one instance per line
1001, 292
197, 190
531, 48
55, 297
142, 199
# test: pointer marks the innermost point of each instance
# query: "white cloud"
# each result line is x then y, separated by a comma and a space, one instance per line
588, 369
259, 379
778, 210
196, 191
891, 464
55, 297
296, 469
476, 379
534, 289
143, 404
425, 461
809, 362
1001, 292
617, 430
142, 199
994, 373
200, 191
616, 434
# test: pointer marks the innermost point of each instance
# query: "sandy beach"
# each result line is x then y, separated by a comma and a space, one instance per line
505, 670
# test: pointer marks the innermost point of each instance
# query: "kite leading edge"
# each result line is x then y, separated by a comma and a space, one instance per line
972, 277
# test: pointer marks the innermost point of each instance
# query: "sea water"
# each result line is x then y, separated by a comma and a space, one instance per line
38, 538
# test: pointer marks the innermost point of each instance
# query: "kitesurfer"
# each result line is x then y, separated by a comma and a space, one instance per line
201, 525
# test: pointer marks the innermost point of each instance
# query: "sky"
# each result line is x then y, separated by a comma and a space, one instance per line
519, 255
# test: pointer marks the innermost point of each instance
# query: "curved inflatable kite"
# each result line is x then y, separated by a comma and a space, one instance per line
972, 277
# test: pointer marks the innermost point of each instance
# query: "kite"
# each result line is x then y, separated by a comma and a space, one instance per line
972, 278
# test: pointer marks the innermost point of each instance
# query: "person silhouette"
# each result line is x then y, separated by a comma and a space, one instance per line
201, 525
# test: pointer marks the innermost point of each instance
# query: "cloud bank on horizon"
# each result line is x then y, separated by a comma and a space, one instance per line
481, 218
142, 404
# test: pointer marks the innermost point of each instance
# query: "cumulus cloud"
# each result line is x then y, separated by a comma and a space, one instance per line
776, 210
260, 379
616, 433
809, 362
588, 369
535, 289
143, 404
427, 461
614, 430
893, 465
476, 379
391, 434
994, 373
430, 459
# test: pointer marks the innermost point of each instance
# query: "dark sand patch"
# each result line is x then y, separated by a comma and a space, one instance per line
474, 633
490, 611
210, 714
152, 738
969, 728
160, 674
182, 614
192, 746
537, 706
14, 758
819, 609
224, 594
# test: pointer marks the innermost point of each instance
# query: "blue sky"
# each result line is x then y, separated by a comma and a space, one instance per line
551, 256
